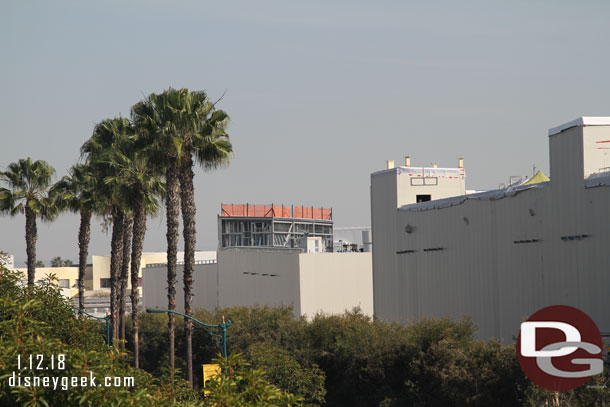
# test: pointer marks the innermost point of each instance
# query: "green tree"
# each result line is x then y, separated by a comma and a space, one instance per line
141, 186
240, 385
124, 275
156, 121
59, 262
111, 137
77, 192
38, 320
28, 185
182, 127
205, 141
287, 373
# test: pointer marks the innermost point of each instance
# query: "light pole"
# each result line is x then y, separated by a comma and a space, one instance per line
222, 326
106, 318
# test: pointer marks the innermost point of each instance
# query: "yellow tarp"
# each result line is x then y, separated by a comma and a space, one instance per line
538, 178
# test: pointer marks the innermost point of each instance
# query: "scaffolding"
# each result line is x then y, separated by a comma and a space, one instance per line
247, 225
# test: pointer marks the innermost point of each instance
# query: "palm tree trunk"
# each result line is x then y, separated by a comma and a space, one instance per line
128, 226
31, 235
84, 235
187, 199
172, 214
116, 253
139, 231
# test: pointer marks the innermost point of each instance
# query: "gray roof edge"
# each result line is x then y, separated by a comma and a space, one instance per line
581, 121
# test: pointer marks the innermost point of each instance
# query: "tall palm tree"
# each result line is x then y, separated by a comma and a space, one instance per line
124, 276
206, 142
182, 127
157, 121
141, 185
77, 192
109, 136
28, 187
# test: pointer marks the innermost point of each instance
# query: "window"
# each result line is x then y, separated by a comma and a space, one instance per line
105, 283
423, 198
64, 283
424, 181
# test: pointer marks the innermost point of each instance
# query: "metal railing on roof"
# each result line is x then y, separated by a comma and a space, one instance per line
181, 263
275, 211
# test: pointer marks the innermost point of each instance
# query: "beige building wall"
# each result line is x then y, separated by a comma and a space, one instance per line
66, 278
332, 283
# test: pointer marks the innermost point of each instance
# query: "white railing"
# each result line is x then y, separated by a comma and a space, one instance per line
181, 263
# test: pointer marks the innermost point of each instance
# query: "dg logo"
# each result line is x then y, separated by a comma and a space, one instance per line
560, 348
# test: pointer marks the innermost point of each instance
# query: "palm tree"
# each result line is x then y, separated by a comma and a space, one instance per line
182, 127
205, 141
28, 186
124, 277
156, 119
77, 193
142, 184
109, 136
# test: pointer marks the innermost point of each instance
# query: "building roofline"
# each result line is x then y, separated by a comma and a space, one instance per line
422, 171
581, 121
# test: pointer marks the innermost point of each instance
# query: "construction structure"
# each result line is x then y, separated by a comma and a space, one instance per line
273, 225
498, 255
274, 255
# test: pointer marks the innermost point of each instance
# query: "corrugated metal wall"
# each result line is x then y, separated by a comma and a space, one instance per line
499, 260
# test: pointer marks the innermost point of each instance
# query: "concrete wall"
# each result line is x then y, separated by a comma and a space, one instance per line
205, 293
501, 260
335, 282
263, 277
310, 283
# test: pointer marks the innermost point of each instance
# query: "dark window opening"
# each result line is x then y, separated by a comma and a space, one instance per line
105, 283
423, 198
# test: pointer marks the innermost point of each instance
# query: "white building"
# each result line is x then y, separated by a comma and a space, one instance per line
309, 282
500, 255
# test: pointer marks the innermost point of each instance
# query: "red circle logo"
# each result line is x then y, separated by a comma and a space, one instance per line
560, 348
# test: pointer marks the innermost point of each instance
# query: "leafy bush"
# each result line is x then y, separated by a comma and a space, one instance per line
36, 321
240, 385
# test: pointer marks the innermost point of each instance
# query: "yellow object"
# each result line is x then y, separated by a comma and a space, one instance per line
538, 178
209, 371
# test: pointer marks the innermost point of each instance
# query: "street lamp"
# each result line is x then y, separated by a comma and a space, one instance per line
106, 318
222, 326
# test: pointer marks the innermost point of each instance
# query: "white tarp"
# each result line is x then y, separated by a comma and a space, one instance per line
481, 196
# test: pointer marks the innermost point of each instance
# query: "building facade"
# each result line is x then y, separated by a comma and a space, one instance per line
499, 255
311, 283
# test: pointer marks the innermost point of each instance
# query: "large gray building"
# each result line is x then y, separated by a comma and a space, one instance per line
499, 255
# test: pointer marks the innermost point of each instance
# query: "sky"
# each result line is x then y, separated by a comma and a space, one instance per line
320, 93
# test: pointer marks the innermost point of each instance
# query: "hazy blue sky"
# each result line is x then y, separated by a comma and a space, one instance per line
320, 93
